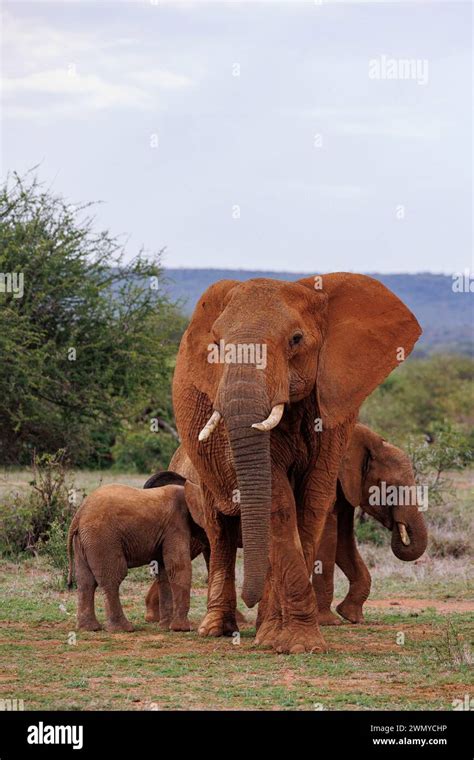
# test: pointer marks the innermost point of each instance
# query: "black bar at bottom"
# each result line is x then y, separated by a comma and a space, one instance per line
129, 734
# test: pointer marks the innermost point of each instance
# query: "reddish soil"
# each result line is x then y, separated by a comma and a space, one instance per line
444, 606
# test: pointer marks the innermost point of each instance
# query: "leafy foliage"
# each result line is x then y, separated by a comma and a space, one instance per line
429, 398
28, 523
91, 341
139, 450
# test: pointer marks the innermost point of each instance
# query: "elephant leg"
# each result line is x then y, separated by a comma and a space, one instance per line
166, 598
240, 618
109, 578
353, 566
318, 490
152, 603
206, 553
221, 597
159, 599
269, 616
264, 601
177, 565
116, 620
323, 573
292, 593
86, 586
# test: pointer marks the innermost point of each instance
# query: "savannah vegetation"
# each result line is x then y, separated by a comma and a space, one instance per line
88, 354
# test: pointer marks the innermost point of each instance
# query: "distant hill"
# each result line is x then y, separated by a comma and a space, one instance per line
447, 318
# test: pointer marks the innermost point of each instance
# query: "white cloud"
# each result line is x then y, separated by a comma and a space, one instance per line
30, 42
55, 73
162, 79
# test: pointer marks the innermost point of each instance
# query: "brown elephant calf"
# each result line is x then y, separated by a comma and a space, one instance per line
118, 527
370, 464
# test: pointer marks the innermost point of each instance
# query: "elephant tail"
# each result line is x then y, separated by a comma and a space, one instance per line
74, 527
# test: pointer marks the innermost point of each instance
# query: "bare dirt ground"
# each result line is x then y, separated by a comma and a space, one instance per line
444, 607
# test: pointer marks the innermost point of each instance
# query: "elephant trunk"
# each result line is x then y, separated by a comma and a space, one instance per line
409, 534
243, 399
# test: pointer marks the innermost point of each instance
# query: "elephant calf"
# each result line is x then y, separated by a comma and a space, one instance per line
159, 599
369, 462
118, 527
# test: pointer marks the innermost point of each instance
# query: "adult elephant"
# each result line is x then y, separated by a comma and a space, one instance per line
285, 367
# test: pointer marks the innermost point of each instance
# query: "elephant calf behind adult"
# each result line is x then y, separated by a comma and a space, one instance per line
371, 468
118, 527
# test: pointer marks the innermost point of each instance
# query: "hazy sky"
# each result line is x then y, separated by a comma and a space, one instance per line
274, 108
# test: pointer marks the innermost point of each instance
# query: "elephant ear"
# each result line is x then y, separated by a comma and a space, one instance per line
194, 501
369, 333
355, 462
198, 336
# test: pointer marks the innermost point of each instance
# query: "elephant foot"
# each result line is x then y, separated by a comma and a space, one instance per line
152, 617
164, 623
268, 633
297, 638
89, 625
351, 611
180, 624
327, 617
217, 623
293, 639
119, 626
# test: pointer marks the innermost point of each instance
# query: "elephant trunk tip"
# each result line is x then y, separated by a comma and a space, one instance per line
251, 597
406, 546
254, 574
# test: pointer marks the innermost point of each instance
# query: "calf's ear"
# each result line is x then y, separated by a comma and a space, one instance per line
363, 445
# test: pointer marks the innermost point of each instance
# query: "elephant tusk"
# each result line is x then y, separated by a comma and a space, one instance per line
403, 534
210, 426
272, 420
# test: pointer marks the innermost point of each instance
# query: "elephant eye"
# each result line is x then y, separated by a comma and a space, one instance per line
296, 338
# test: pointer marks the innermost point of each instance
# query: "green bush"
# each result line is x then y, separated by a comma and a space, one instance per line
37, 522
143, 451
55, 547
425, 397
16, 523
92, 338
369, 531
449, 450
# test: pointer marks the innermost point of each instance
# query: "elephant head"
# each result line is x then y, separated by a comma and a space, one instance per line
255, 348
379, 478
